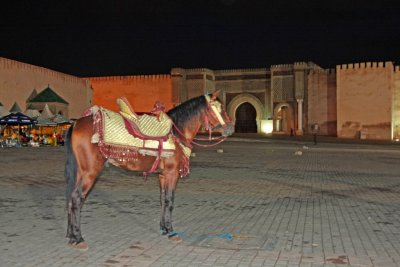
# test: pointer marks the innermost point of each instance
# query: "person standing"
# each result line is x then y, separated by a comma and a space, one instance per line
315, 129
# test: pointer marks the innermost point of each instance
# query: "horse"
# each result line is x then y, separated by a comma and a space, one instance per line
85, 160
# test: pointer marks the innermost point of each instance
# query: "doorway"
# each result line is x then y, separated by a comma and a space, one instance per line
246, 119
283, 122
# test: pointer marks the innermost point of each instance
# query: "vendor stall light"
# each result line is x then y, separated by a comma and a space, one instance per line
266, 126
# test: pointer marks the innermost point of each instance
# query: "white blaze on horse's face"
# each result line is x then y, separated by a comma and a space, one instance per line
216, 108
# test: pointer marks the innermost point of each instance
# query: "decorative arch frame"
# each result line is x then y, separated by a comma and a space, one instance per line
291, 112
254, 101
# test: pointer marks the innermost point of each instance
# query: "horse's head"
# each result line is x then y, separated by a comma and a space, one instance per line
205, 110
217, 118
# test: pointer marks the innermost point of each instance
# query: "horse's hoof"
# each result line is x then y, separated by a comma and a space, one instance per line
175, 238
82, 246
162, 232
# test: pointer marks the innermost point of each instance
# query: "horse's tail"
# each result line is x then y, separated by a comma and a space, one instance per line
70, 165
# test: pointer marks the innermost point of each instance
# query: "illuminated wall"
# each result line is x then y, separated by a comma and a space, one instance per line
141, 91
322, 101
396, 103
359, 100
364, 100
18, 80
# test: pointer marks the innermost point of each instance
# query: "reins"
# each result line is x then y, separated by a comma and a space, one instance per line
219, 139
211, 110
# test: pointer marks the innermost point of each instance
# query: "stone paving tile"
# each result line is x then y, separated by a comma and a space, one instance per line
257, 204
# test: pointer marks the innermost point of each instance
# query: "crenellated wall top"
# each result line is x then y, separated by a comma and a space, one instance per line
131, 77
282, 66
9, 64
323, 71
301, 63
176, 71
365, 65
242, 70
196, 70
181, 71
297, 65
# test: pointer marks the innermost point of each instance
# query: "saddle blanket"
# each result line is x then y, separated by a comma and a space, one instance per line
115, 141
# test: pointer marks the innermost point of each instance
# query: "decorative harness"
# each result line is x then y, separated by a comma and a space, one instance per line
214, 108
127, 126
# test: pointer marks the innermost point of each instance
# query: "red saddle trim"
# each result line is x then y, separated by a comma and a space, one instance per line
132, 129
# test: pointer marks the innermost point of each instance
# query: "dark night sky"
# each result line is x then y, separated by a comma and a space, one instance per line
95, 38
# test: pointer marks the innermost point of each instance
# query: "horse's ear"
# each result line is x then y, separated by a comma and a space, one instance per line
215, 94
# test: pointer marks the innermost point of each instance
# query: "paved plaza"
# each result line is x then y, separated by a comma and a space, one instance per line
261, 202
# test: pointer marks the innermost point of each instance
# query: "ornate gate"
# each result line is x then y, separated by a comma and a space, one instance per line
246, 119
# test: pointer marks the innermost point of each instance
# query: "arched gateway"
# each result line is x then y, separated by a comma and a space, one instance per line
246, 111
245, 119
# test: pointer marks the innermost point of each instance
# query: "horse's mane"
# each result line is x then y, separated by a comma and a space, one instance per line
184, 112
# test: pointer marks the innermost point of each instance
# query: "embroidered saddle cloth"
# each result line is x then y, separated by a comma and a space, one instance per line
115, 141
144, 126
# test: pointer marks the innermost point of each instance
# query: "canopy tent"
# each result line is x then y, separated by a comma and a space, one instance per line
33, 113
60, 119
57, 125
44, 127
46, 113
17, 119
15, 108
63, 125
41, 121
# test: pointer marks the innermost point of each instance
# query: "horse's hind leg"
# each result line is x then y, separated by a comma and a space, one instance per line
74, 218
81, 172
78, 196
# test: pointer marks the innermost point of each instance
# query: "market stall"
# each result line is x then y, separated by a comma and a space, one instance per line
50, 131
16, 128
63, 125
44, 131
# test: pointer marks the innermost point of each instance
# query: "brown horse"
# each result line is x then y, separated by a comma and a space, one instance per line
85, 160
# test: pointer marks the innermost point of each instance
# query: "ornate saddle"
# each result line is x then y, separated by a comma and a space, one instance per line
147, 127
123, 135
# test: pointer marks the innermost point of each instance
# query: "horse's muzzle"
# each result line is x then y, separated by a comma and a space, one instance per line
228, 130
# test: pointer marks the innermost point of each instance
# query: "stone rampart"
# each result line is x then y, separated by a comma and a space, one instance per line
396, 103
322, 101
141, 91
18, 80
364, 100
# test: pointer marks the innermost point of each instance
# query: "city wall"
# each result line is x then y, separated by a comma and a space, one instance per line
396, 103
18, 80
354, 101
364, 100
141, 91
322, 101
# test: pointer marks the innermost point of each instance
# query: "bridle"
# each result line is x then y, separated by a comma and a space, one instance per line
214, 108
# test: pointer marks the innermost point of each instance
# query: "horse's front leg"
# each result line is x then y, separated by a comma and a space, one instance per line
168, 181
163, 228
